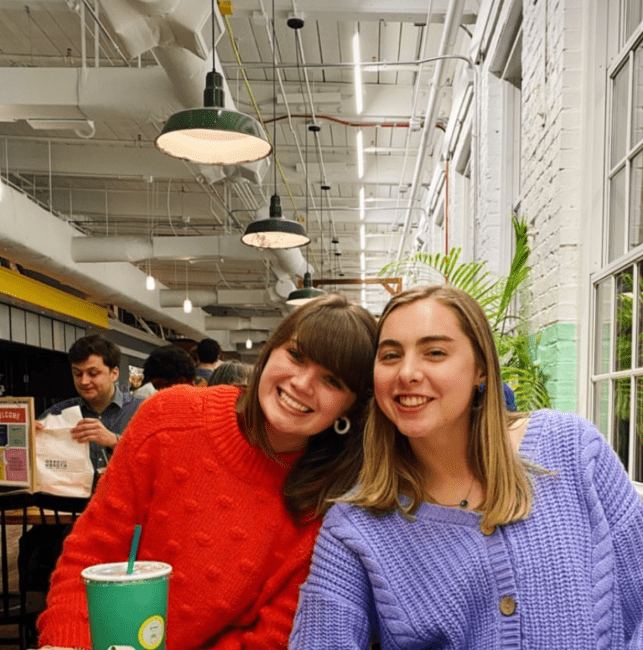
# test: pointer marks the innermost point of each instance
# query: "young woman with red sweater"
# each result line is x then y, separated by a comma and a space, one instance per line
229, 486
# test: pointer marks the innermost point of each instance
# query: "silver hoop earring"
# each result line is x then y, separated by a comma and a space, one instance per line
342, 425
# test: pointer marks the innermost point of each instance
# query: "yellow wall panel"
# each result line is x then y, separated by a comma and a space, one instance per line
39, 294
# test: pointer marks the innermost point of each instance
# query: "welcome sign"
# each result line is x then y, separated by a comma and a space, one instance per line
17, 442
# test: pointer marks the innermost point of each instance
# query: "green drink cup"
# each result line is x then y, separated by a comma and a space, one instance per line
127, 611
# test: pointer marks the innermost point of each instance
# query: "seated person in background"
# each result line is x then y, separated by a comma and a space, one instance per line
207, 352
166, 366
230, 372
106, 411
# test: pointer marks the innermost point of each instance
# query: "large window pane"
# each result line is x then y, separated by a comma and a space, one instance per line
619, 114
617, 216
636, 201
617, 342
622, 419
640, 325
601, 404
638, 443
624, 304
637, 96
603, 324
633, 16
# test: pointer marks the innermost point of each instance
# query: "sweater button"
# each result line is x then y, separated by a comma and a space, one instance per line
507, 605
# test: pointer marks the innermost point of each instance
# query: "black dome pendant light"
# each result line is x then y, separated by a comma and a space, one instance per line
307, 292
213, 135
275, 232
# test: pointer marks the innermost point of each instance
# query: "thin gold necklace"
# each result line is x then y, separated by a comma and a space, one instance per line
463, 504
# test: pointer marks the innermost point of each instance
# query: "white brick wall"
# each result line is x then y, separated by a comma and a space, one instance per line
555, 132
487, 241
551, 156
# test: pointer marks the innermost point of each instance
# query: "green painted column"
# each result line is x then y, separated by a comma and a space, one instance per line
557, 353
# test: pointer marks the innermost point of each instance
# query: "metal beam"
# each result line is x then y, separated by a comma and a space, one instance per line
392, 285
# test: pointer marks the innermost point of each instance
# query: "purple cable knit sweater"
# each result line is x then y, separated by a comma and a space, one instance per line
570, 576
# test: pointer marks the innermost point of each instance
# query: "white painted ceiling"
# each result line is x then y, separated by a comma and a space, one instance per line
86, 86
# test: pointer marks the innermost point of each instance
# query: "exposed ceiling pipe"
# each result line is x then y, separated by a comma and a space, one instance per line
311, 108
81, 9
311, 195
452, 21
414, 108
322, 167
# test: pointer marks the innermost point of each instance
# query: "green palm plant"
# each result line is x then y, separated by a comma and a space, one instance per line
499, 298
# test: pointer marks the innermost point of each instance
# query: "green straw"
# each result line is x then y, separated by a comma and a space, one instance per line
133, 548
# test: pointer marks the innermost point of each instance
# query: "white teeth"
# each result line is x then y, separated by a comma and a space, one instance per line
412, 400
292, 403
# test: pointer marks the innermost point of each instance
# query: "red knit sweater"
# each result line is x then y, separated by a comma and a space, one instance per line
210, 505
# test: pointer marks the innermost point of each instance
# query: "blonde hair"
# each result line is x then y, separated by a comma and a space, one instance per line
338, 335
390, 468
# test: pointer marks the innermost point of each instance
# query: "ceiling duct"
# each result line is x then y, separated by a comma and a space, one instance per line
233, 323
285, 263
252, 172
255, 336
144, 25
34, 238
227, 297
449, 34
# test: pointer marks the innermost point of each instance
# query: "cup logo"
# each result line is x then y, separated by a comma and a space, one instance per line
150, 634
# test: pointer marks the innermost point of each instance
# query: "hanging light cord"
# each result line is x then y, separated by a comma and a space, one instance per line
274, 94
303, 95
277, 162
305, 176
213, 38
246, 81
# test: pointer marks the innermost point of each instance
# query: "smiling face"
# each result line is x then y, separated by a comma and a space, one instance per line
299, 398
425, 371
94, 381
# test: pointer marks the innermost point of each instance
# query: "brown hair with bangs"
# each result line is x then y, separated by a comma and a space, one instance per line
338, 335
390, 468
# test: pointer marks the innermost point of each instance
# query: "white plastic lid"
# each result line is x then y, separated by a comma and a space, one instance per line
117, 571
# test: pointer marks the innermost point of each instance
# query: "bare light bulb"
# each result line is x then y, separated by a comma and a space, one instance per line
248, 344
149, 283
187, 306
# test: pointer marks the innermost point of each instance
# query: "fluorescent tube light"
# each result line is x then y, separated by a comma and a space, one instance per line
357, 58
